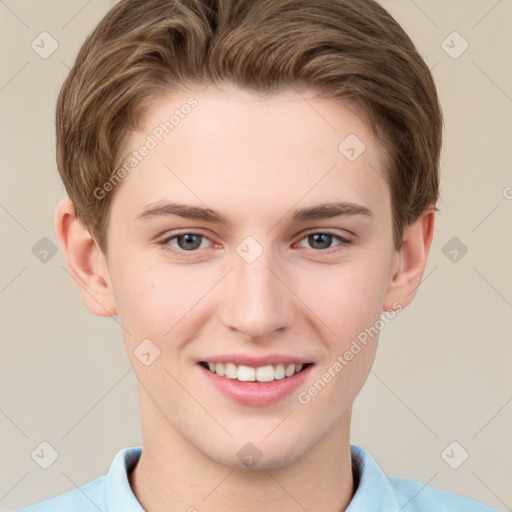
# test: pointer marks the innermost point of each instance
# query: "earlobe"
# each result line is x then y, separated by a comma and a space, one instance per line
85, 261
412, 261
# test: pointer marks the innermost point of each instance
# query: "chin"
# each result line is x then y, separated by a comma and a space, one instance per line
257, 455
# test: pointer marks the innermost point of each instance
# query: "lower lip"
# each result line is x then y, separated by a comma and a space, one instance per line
256, 393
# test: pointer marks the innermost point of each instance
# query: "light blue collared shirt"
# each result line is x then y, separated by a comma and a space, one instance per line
375, 492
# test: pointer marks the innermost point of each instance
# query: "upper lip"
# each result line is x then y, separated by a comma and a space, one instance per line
256, 361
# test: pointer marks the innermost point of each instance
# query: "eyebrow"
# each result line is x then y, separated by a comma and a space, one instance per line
318, 212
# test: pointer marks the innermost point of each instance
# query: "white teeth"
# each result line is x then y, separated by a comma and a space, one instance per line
265, 373
289, 370
244, 373
279, 371
231, 371
219, 369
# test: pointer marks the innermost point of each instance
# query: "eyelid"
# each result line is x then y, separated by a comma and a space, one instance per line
326, 231
343, 241
176, 234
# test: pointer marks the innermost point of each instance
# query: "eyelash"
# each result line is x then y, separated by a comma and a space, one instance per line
167, 247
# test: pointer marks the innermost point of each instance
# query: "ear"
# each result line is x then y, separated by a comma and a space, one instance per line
86, 262
413, 258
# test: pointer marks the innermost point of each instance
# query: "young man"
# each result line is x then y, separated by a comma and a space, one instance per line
252, 190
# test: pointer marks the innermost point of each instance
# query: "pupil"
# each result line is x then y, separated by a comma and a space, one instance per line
315, 238
189, 239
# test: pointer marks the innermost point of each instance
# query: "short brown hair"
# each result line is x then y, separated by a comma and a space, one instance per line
350, 49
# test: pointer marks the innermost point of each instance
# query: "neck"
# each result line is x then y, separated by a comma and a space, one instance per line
173, 475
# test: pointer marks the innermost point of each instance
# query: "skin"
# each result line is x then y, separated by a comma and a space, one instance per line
254, 159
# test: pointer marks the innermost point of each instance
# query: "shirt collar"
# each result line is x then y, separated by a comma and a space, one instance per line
374, 493
118, 493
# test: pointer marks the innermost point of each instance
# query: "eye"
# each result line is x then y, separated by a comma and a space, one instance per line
321, 240
186, 242
191, 241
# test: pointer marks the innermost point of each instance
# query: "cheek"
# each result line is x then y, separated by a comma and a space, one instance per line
349, 305
151, 298
155, 306
347, 297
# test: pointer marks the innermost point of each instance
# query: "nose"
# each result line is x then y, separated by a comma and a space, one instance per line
258, 301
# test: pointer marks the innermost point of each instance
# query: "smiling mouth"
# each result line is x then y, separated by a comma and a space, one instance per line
242, 373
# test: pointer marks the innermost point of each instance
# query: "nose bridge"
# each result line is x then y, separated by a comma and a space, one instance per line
256, 301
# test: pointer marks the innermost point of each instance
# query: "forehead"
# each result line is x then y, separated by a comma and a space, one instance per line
232, 147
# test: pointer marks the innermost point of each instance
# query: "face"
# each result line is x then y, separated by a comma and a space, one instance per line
225, 255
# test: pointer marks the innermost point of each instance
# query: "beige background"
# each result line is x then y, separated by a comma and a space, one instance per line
442, 372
